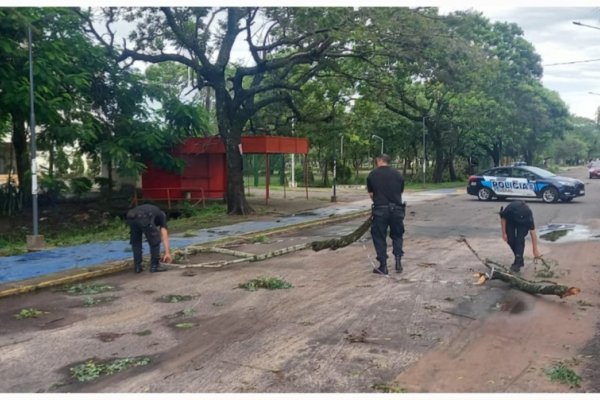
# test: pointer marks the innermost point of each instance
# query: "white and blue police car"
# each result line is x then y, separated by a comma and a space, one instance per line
524, 181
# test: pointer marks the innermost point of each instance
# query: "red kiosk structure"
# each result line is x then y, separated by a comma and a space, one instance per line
205, 173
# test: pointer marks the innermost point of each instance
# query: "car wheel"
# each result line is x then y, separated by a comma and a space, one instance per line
550, 195
591, 177
484, 194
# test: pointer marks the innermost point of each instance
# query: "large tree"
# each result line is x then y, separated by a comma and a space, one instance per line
60, 76
276, 42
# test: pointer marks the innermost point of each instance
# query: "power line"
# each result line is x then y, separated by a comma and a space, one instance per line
572, 62
586, 25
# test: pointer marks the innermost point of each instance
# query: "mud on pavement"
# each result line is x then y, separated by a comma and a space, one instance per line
339, 328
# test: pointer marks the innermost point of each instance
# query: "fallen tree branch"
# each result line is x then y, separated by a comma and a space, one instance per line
317, 245
498, 271
343, 241
249, 258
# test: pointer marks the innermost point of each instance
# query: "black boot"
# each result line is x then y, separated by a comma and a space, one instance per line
517, 264
399, 265
157, 268
381, 270
137, 268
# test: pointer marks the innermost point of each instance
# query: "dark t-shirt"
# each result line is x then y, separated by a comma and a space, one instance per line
386, 184
148, 214
519, 213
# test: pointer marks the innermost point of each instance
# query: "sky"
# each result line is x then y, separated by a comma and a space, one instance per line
547, 25
561, 44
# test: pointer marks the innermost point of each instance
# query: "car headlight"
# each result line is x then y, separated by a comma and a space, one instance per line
566, 183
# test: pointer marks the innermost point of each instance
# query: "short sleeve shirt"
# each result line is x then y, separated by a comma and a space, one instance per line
151, 212
519, 213
386, 184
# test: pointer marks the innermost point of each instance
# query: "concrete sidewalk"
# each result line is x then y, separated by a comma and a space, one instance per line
27, 271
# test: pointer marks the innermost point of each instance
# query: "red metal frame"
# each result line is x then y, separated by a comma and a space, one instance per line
206, 167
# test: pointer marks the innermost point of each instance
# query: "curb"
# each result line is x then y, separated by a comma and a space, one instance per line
70, 276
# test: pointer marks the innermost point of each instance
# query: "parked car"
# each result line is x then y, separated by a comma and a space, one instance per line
524, 181
594, 169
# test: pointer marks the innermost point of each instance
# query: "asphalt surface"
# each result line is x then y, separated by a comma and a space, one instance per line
14, 269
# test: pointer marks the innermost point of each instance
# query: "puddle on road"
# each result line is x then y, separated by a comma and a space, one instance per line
562, 233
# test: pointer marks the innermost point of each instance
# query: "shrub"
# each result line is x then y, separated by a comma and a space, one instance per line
80, 185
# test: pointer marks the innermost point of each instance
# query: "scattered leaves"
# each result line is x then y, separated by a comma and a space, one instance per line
78, 289
560, 372
388, 388
94, 301
92, 370
265, 283
29, 313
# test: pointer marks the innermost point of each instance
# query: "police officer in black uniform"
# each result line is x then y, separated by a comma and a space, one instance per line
385, 185
151, 221
516, 221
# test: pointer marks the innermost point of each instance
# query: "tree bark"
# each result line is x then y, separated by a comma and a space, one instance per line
19, 140
230, 130
343, 241
452, 170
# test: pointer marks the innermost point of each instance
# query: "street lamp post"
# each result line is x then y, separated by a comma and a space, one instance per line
377, 137
35, 241
424, 154
293, 182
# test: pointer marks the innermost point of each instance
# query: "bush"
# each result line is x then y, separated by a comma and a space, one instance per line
53, 186
344, 174
299, 175
10, 199
81, 185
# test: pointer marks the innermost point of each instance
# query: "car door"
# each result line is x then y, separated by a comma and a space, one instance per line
523, 182
497, 179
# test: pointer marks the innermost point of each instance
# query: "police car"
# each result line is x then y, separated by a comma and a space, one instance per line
524, 181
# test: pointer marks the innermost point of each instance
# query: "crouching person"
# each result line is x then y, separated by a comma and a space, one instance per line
516, 221
150, 221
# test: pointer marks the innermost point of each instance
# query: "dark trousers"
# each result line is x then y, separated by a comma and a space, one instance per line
516, 237
136, 230
383, 217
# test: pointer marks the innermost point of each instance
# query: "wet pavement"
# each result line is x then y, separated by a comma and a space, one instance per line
60, 259
563, 233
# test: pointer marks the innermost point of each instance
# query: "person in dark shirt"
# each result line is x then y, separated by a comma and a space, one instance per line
385, 186
516, 221
151, 221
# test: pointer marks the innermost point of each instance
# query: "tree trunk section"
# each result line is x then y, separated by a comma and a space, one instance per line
438, 170
452, 170
235, 197
19, 140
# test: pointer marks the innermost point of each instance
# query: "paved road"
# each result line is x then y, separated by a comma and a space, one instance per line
339, 329
46, 262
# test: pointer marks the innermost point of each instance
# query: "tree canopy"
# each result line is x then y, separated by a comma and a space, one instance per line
124, 85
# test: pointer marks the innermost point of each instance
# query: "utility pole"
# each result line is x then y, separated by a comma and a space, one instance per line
424, 153
35, 241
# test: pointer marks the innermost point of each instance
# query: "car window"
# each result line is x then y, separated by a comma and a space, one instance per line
539, 172
502, 172
521, 173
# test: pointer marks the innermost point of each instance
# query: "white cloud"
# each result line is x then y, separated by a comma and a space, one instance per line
557, 40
